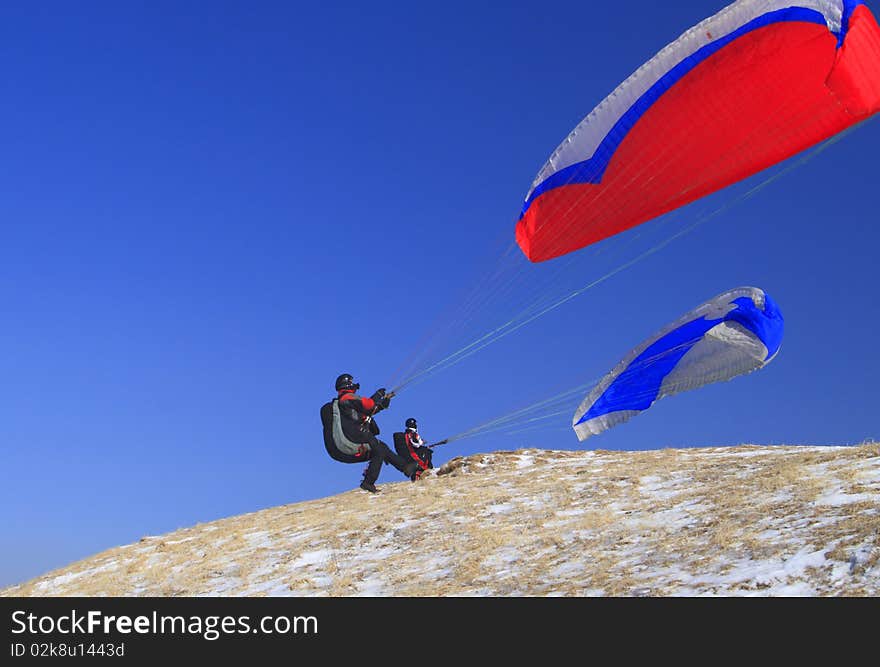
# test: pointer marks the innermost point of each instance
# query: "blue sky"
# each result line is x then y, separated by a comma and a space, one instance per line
210, 211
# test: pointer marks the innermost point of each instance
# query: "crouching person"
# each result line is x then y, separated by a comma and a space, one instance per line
410, 446
350, 432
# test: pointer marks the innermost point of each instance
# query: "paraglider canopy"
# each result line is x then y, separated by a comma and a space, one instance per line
736, 332
744, 89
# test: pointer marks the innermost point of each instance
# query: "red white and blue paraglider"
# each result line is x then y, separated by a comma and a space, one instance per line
744, 89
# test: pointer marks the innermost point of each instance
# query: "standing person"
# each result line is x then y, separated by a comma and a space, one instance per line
409, 445
350, 432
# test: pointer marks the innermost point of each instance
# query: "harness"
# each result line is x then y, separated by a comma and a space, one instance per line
412, 446
342, 443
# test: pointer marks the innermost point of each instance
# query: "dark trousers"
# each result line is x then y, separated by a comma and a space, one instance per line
379, 454
425, 454
421, 455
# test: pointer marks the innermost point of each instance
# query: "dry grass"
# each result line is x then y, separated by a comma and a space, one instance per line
531, 522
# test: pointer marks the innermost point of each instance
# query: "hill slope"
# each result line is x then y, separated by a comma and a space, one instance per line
734, 521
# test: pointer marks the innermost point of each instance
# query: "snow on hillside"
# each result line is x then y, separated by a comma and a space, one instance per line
721, 521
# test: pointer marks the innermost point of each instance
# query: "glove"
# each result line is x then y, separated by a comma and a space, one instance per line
381, 399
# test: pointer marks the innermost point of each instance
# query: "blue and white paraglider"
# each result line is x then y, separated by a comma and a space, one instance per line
735, 333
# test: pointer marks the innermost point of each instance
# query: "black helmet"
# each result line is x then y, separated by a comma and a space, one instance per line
411, 423
346, 381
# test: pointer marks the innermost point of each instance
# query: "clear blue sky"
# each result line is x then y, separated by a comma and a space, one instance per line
211, 210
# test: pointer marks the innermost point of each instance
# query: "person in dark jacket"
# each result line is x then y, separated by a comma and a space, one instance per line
350, 432
409, 445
